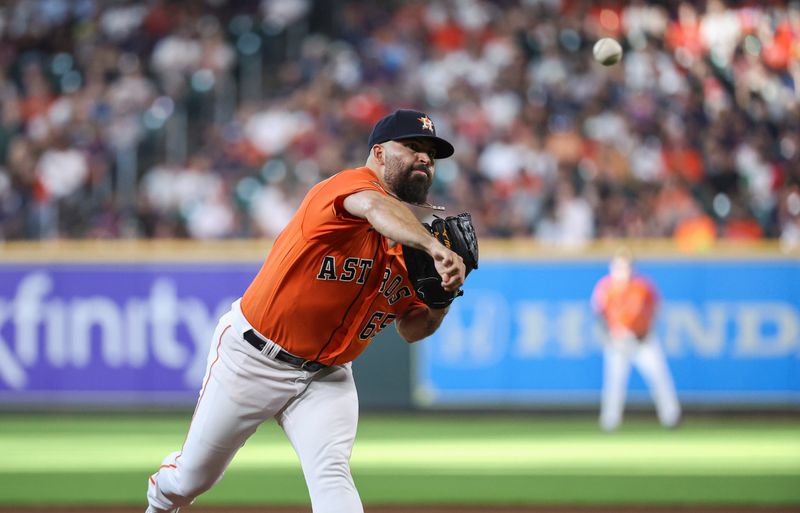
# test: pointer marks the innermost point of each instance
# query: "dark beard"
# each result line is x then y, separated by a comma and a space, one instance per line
406, 185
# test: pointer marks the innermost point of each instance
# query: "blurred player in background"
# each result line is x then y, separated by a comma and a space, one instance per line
626, 303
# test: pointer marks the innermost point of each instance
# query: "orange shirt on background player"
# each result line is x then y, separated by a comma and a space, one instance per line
320, 293
626, 307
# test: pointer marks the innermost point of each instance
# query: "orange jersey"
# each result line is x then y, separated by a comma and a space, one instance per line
626, 307
330, 282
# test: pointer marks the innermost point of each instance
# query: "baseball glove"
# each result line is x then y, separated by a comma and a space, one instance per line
458, 235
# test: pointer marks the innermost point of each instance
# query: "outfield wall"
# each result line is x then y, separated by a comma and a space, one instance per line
128, 324
524, 334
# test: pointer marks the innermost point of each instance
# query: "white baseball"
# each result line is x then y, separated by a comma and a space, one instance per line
607, 51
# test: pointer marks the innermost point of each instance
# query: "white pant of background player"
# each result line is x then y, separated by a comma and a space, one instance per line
619, 354
241, 389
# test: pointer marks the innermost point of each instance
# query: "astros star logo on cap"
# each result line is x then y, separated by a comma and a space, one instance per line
427, 124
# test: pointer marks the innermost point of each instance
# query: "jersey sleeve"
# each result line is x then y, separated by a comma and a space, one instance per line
411, 305
325, 215
351, 185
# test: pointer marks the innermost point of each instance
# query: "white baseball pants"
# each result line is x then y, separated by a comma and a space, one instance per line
648, 358
241, 389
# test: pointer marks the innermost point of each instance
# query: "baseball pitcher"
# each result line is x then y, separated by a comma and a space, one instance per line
626, 304
353, 260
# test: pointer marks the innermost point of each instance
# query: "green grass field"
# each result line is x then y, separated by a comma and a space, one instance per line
459, 459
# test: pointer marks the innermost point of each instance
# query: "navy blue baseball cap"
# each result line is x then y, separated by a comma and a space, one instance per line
409, 124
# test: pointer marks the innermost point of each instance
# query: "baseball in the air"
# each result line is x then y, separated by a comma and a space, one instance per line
607, 51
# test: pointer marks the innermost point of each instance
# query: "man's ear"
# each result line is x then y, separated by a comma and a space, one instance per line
378, 153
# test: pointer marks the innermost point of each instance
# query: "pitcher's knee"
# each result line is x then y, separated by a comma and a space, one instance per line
166, 495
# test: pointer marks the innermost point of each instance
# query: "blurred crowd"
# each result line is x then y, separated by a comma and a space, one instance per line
211, 119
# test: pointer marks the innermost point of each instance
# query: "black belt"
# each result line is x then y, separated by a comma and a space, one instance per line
259, 343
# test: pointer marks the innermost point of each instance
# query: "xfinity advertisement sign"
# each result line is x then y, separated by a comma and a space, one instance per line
137, 334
